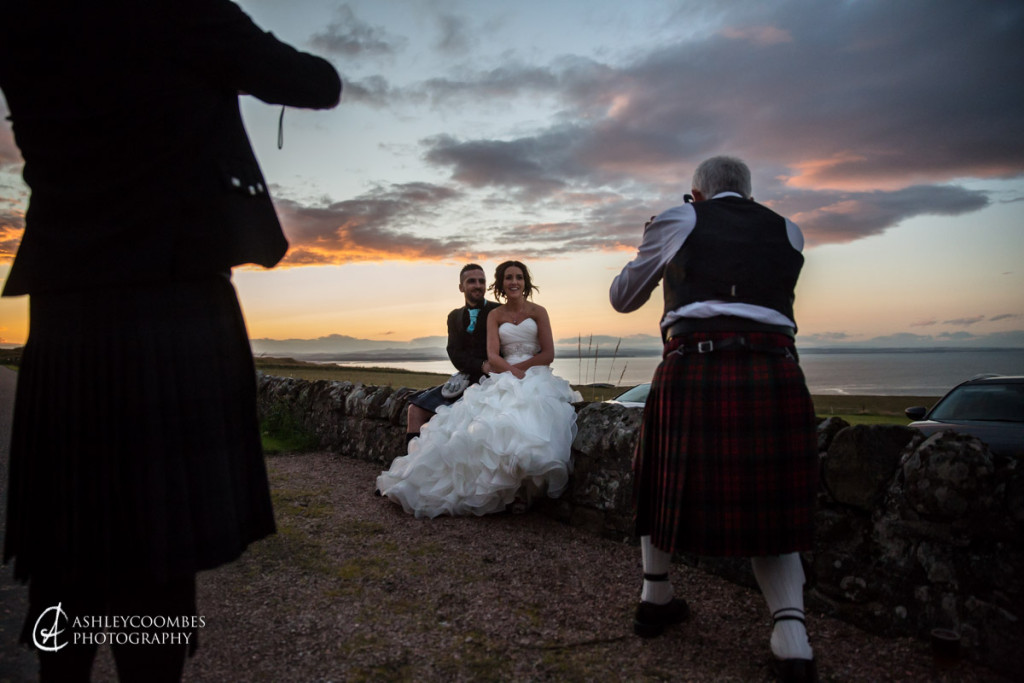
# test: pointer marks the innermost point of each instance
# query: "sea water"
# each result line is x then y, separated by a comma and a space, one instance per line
893, 372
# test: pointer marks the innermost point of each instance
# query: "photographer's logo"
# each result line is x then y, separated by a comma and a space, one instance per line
46, 637
55, 629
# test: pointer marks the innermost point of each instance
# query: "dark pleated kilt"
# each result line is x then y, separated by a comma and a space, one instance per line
431, 399
135, 449
726, 463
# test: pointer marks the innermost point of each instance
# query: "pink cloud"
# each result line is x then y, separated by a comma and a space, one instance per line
758, 35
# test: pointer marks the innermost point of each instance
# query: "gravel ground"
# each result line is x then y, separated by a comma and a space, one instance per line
353, 589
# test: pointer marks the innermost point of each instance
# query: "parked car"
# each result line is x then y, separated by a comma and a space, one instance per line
635, 397
990, 407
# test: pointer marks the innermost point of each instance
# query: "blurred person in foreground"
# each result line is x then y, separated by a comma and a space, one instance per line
726, 462
135, 455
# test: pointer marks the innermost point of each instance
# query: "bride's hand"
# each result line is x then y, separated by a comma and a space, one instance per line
517, 373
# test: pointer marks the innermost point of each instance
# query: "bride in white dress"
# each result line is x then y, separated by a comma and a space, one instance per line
509, 438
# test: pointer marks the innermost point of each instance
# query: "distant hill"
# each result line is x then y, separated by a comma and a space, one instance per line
341, 347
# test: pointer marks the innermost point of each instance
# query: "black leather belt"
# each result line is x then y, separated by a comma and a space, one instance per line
737, 343
723, 323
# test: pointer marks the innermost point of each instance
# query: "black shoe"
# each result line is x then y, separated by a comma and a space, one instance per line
651, 619
795, 670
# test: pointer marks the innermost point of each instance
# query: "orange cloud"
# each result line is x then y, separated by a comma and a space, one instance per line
821, 173
346, 249
879, 170
847, 207
10, 236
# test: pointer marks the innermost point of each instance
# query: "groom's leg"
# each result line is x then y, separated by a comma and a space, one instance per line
416, 417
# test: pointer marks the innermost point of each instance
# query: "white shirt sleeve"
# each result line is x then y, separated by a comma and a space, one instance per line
662, 239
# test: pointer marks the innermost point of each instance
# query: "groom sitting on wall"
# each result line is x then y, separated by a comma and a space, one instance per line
467, 347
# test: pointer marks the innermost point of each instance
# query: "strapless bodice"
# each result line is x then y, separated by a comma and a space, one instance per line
518, 342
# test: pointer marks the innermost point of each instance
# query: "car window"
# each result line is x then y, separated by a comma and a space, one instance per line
637, 393
998, 402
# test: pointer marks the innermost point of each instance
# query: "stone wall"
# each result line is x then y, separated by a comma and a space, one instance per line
913, 533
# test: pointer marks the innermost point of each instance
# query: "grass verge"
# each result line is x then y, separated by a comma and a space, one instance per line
282, 432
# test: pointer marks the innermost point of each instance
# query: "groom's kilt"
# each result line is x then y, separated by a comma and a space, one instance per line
727, 463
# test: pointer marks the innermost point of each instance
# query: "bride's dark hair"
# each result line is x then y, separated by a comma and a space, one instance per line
499, 277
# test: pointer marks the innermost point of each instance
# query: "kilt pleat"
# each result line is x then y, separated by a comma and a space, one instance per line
135, 451
726, 463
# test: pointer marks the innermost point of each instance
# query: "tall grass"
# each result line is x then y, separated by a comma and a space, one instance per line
587, 376
615, 354
579, 357
581, 378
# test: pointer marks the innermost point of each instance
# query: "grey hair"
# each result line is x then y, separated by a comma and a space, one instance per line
722, 174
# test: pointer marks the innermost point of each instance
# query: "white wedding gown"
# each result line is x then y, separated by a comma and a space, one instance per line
472, 457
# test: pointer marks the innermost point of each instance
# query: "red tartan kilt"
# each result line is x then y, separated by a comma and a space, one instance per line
727, 462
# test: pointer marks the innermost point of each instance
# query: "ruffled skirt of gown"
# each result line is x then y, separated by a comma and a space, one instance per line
473, 456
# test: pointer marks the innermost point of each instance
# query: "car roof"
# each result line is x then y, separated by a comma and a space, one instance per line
995, 379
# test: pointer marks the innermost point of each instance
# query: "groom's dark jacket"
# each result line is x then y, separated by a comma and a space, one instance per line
468, 350
126, 114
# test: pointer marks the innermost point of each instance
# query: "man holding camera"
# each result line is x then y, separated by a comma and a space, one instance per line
726, 462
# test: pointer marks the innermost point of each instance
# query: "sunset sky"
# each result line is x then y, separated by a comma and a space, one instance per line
891, 132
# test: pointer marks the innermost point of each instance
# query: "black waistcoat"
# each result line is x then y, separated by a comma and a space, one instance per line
738, 252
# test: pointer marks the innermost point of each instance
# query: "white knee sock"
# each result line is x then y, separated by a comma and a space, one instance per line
655, 562
781, 578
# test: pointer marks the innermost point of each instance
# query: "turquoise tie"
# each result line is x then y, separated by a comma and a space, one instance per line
473, 313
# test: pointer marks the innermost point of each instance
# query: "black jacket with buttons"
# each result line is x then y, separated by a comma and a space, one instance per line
126, 114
